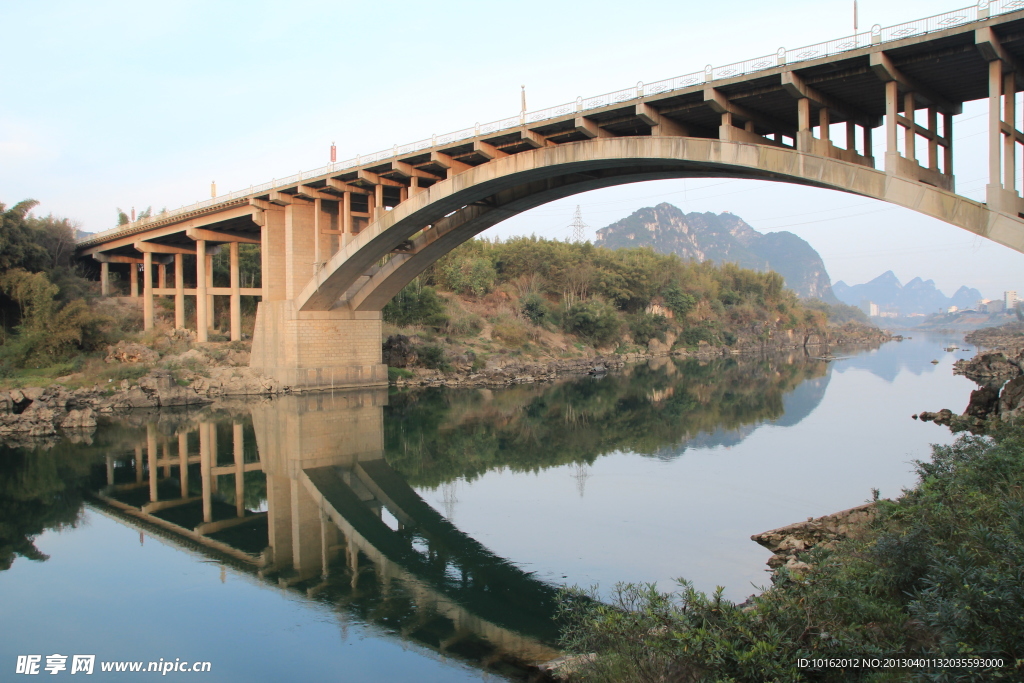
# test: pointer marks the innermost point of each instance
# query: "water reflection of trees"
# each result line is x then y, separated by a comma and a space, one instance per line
437, 435
42, 488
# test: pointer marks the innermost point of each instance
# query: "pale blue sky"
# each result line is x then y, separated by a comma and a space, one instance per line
114, 103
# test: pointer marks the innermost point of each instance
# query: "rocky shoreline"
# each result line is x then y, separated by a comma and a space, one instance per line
192, 378
788, 543
203, 374
507, 371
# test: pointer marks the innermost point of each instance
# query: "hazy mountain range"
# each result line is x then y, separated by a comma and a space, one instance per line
917, 296
726, 237
722, 238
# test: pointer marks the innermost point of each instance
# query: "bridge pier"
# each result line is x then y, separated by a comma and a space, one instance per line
318, 349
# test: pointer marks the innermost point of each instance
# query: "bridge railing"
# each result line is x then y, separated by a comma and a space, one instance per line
877, 35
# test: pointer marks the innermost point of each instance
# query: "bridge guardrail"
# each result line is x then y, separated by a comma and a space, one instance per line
877, 35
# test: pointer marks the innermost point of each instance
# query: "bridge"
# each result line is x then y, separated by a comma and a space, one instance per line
337, 243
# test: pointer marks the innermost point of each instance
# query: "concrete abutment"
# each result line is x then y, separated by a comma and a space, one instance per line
318, 349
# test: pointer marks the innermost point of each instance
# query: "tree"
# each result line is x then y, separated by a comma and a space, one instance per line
18, 248
48, 330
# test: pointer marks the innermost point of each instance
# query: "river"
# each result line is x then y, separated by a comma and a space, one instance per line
422, 536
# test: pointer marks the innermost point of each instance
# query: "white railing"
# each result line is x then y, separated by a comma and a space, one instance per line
939, 22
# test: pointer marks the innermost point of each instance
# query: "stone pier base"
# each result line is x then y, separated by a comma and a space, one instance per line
318, 349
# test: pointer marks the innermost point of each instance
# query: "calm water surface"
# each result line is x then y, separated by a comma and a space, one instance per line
421, 536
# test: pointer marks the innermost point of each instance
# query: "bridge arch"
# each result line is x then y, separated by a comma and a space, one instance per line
423, 228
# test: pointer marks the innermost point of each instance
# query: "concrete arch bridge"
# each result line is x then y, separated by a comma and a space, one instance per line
339, 242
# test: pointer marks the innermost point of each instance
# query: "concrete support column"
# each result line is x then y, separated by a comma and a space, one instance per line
209, 297
279, 516
868, 151
378, 201
346, 219
909, 134
851, 136
947, 131
133, 278
161, 275
105, 279
201, 300
152, 456
205, 468
147, 291
1009, 142
236, 295
238, 442
995, 133
824, 124
183, 462
892, 152
272, 255
214, 456
306, 557
933, 141
299, 239
110, 470
804, 136
414, 186
179, 292
318, 207
138, 464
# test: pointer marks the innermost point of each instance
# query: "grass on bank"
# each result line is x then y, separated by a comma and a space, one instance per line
940, 574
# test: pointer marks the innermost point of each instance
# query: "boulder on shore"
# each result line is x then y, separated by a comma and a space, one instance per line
789, 542
131, 352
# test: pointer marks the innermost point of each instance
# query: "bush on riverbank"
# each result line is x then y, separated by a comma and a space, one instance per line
937, 575
575, 298
45, 316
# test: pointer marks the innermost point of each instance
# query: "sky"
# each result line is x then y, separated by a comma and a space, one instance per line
123, 104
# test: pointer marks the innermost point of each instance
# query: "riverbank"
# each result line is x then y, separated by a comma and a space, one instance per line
172, 370
902, 588
401, 353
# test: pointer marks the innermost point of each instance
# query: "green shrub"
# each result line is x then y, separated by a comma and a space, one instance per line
416, 305
471, 276
535, 307
593, 320
647, 326
704, 331
678, 301
434, 357
936, 575
49, 330
396, 373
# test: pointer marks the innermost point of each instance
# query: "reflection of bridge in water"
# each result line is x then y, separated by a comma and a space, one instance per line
338, 524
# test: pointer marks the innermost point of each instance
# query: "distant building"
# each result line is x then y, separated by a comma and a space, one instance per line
888, 314
869, 307
996, 306
952, 309
1010, 300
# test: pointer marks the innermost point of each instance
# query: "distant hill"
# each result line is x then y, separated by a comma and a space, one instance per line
917, 296
723, 238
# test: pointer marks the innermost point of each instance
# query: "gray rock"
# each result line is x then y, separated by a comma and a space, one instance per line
1011, 398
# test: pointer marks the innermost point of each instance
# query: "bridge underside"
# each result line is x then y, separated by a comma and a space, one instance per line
337, 244
298, 338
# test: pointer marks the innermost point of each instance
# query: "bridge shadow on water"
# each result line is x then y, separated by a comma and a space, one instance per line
317, 493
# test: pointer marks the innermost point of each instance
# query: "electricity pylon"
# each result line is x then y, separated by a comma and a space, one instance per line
578, 226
